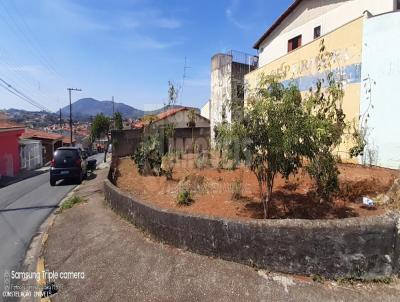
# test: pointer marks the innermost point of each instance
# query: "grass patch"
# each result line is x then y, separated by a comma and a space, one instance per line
184, 198
318, 278
71, 201
352, 281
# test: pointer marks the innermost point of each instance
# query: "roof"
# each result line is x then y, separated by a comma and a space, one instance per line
9, 125
168, 113
289, 10
32, 133
161, 116
67, 140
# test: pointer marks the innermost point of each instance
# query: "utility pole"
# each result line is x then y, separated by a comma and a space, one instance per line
61, 129
70, 110
113, 116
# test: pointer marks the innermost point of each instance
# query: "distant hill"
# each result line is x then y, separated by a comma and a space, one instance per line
84, 108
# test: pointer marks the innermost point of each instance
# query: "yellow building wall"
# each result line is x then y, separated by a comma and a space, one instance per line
301, 65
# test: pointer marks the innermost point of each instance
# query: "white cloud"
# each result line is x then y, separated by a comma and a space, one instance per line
148, 18
230, 15
146, 42
72, 15
167, 23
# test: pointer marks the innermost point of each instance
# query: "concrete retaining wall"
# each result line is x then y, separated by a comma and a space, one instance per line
366, 248
125, 142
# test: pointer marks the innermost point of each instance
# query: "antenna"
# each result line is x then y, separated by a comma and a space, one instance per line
185, 67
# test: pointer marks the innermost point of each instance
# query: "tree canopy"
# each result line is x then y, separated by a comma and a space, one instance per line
100, 128
118, 121
283, 130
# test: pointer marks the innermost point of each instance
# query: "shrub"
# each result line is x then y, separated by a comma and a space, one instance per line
184, 198
193, 183
179, 154
325, 173
202, 161
148, 156
167, 165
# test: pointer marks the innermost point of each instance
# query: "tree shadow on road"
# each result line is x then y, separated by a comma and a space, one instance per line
29, 208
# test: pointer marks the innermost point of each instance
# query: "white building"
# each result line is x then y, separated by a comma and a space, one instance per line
306, 20
364, 38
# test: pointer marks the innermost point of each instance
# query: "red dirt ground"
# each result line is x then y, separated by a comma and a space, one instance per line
292, 199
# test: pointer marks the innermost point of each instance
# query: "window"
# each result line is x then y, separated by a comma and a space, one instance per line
294, 43
317, 32
398, 4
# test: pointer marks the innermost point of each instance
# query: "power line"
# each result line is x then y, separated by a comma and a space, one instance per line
10, 88
23, 94
19, 76
12, 92
29, 39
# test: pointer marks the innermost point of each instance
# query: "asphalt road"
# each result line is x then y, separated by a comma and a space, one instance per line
23, 208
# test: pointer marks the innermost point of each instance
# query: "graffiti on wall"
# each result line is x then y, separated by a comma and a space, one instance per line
348, 75
305, 73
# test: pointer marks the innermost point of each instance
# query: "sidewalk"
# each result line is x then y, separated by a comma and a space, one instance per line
121, 263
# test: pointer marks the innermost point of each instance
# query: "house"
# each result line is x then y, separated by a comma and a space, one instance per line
30, 154
183, 132
50, 142
363, 37
66, 141
9, 148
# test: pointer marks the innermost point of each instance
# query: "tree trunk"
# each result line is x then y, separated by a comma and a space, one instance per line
270, 186
265, 205
268, 200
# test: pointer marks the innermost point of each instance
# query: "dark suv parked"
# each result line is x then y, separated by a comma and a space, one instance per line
68, 163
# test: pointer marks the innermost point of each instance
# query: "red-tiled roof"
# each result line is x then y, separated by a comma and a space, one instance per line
290, 9
9, 125
168, 113
138, 124
32, 133
161, 116
67, 140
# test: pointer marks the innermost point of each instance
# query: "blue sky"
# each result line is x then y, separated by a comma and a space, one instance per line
126, 48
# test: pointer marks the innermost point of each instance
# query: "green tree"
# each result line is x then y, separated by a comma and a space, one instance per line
101, 128
173, 94
118, 121
281, 131
169, 129
278, 135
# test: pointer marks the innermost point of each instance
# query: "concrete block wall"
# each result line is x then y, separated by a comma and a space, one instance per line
366, 248
125, 141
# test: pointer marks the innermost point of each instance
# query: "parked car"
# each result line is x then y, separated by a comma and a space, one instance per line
88, 151
68, 163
